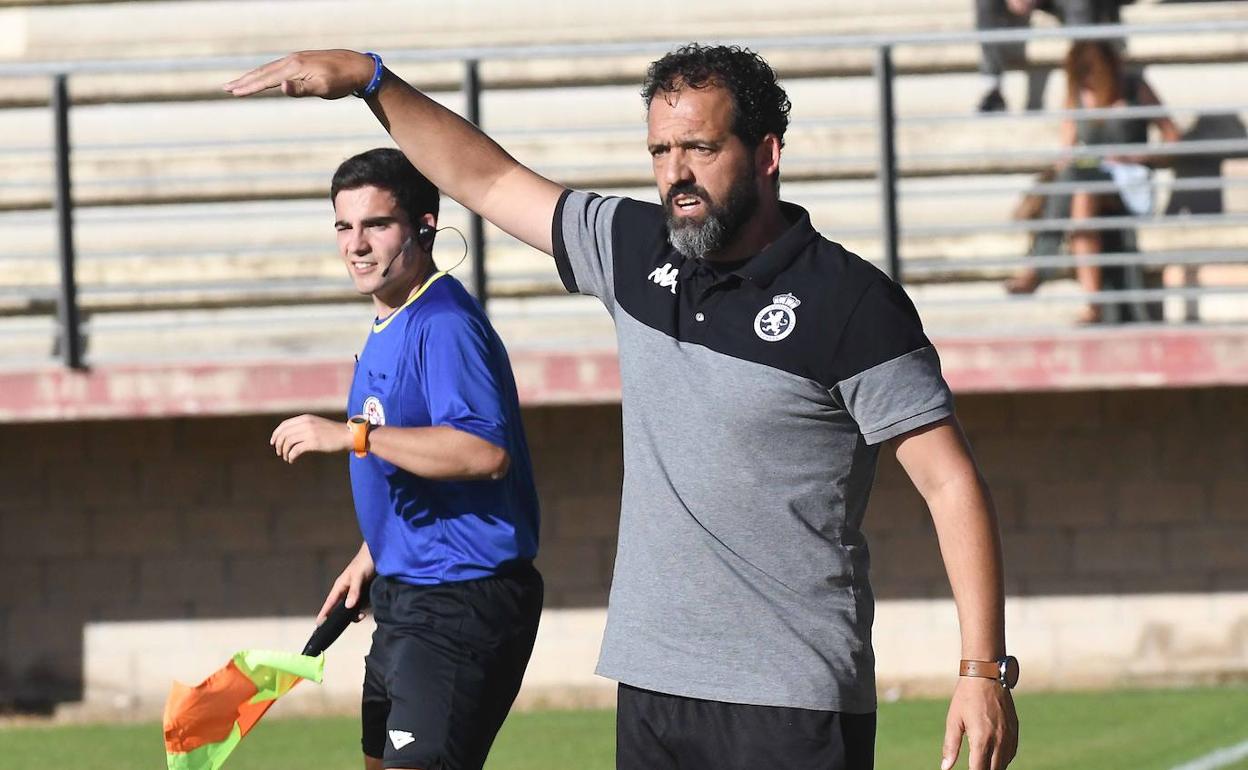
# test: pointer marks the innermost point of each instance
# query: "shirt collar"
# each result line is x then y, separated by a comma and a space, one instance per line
764, 266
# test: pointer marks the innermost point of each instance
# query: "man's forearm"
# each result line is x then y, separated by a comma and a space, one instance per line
970, 544
466, 164
439, 452
457, 157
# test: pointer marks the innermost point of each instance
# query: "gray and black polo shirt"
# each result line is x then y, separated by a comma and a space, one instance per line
754, 401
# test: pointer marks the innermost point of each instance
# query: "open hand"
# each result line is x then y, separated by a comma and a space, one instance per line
327, 74
983, 710
309, 433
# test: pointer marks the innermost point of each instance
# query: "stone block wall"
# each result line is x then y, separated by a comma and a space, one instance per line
1109, 496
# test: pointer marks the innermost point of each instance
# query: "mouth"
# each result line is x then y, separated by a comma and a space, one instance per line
362, 266
687, 204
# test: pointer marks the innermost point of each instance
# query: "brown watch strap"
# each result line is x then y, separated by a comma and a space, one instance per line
987, 669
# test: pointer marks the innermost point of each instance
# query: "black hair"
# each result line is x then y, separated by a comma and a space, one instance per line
760, 104
388, 169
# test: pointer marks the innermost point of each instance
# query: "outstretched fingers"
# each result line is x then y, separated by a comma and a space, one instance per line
271, 75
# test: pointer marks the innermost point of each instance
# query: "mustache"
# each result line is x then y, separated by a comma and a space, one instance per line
686, 188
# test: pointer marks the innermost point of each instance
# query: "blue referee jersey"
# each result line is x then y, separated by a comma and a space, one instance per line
437, 361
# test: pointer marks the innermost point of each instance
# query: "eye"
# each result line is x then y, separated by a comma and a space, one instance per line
657, 151
703, 150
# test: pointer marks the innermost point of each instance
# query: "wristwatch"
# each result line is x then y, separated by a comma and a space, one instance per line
1004, 670
359, 426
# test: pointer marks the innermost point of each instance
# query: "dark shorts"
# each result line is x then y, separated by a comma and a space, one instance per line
445, 666
655, 731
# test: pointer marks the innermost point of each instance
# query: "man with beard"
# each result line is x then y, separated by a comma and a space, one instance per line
762, 366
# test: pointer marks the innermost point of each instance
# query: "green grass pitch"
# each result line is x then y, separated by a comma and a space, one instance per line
1131, 730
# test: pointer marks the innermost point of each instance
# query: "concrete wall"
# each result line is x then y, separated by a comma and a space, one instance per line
135, 552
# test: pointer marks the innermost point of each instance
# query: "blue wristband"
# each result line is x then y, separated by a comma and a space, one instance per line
375, 82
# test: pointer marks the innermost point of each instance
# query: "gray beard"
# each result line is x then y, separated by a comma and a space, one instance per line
695, 241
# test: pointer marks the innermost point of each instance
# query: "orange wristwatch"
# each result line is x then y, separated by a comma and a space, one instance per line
360, 427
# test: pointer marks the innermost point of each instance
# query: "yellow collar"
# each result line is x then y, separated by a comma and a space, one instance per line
381, 325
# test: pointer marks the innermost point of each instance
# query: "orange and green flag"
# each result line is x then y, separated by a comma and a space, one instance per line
203, 724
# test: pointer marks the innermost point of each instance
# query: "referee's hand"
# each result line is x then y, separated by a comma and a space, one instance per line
309, 433
351, 582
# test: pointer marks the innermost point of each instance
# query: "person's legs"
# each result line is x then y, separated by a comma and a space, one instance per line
994, 58
375, 703
453, 658
1044, 243
1079, 13
642, 719
500, 631
667, 731
1085, 243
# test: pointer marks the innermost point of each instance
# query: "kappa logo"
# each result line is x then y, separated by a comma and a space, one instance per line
665, 276
777, 321
401, 738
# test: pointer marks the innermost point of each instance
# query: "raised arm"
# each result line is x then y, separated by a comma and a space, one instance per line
455, 155
937, 460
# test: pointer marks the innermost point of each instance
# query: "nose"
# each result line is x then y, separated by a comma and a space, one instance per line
356, 243
673, 167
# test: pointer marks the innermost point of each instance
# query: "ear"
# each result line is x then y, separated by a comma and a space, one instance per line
767, 157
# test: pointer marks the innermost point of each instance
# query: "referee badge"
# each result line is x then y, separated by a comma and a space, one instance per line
374, 411
777, 321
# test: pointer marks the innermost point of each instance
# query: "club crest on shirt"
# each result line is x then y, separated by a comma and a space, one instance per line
374, 411
777, 321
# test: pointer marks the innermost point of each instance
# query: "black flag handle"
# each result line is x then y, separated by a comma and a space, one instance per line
335, 623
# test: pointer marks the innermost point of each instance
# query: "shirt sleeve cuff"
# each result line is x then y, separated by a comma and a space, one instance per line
880, 435
560, 249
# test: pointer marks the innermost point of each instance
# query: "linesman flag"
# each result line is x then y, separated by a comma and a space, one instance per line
203, 724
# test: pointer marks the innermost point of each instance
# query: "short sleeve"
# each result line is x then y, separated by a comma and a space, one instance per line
582, 238
461, 387
888, 372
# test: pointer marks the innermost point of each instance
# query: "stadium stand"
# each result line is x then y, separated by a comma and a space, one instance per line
174, 180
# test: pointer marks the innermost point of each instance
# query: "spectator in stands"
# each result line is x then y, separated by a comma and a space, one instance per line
995, 58
763, 367
1096, 79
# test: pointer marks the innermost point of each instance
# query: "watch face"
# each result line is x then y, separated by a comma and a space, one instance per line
1009, 671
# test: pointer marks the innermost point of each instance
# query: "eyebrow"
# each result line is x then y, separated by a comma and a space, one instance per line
368, 221
687, 144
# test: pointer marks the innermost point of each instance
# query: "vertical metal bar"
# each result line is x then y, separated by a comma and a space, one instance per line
887, 174
67, 305
476, 225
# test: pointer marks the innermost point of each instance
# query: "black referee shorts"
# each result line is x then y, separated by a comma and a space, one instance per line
655, 731
445, 666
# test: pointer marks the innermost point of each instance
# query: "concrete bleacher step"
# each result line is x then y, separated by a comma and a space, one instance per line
145, 255
283, 253
183, 29
557, 322
254, 149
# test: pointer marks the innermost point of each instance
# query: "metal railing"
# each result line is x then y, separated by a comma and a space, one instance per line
885, 174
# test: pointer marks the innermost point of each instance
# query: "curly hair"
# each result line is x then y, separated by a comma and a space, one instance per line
760, 104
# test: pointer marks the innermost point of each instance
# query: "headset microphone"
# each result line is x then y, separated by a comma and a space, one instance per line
424, 235
406, 244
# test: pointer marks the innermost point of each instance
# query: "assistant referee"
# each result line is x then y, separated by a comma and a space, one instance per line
442, 483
